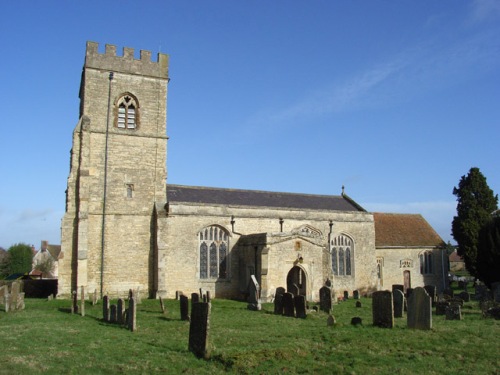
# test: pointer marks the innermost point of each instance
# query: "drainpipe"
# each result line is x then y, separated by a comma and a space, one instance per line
103, 228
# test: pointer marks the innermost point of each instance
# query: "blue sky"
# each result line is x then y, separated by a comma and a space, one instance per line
396, 100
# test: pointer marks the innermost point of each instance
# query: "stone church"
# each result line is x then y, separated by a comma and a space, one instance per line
126, 228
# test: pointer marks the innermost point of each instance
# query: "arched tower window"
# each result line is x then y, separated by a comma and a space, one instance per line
213, 247
127, 112
342, 252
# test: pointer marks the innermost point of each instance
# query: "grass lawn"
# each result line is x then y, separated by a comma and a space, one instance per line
47, 338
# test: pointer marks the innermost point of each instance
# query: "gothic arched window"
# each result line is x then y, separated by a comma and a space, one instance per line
426, 263
213, 245
127, 116
342, 252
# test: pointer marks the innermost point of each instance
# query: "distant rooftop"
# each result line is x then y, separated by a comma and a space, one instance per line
256, 198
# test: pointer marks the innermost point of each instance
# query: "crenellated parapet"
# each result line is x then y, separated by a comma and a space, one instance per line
109, 61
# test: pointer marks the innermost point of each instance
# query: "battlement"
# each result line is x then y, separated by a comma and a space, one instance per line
127, 63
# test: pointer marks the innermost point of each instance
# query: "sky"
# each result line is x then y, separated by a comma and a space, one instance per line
395, 100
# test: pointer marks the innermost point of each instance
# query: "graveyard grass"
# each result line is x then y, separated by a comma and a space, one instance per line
47, 338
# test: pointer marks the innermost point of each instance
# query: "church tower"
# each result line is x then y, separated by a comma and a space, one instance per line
117, 174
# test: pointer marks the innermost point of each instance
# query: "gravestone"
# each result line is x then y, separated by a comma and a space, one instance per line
419, 310
398, 287
481, 292
184, 306
6, 302
330, 321
464, 296
454, 312
382, 309
131, 316
409, 291
20, 301
358, 304
346, 295
137, 296
325, 299
432, 292
495, 290
253, 294
209, 298
178, 294
356, 321
120, 311
300, 307
113, 316
74, 302
288, 304
278, 301
82, 301
105, 308
448, 292
398, 298
195, 298
355, 294
441, 307
199, 330
94, 298
162, 306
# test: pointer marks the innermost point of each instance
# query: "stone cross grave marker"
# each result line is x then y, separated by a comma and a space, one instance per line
288, 305
382, 309
398, 298
300, 306
199, 330
325, 299
419, 309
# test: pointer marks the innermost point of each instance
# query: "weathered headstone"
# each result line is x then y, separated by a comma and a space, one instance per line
288, 304
132, 312
105, 308
94, 298
325, 299
300, 307
120, 311
330, 321
449, 292
346, 295
209, 298
253, 294
162, 306
6, 302
481, 292
137, 296
465, 296
113, 316
358, 304
278, 301
441, 307
199, 330
398, 299
400, 287
82, 301
355, 294
419, 310
178, 294
195, 298
495, 290
184, 306
382, 309
74, 302
454, 312
356, 321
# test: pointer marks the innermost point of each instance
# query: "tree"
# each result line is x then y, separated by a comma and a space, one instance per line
488, 256
45, 266
4, 263
21, 258
476, 202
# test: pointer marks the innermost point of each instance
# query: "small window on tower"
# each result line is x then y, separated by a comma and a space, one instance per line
130, 191
127, 114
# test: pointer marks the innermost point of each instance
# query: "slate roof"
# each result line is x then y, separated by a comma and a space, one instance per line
404, 230
256, 198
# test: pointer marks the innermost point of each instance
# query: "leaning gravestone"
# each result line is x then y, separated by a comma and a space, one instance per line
398, 298
253, 294
278, 301
199, 330
382, 309
325, 299
184, 306
300, 307
132, 312
162, 306
419, 310
288, 305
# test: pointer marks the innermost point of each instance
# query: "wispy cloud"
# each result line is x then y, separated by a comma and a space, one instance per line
483, 10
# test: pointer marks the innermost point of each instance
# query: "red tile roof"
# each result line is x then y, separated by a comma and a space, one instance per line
404, 230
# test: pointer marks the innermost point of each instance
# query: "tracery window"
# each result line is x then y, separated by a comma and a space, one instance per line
426, 263
213, 245
342, 252
127, 114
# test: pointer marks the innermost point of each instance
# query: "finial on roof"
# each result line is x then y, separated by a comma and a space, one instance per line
343, 189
